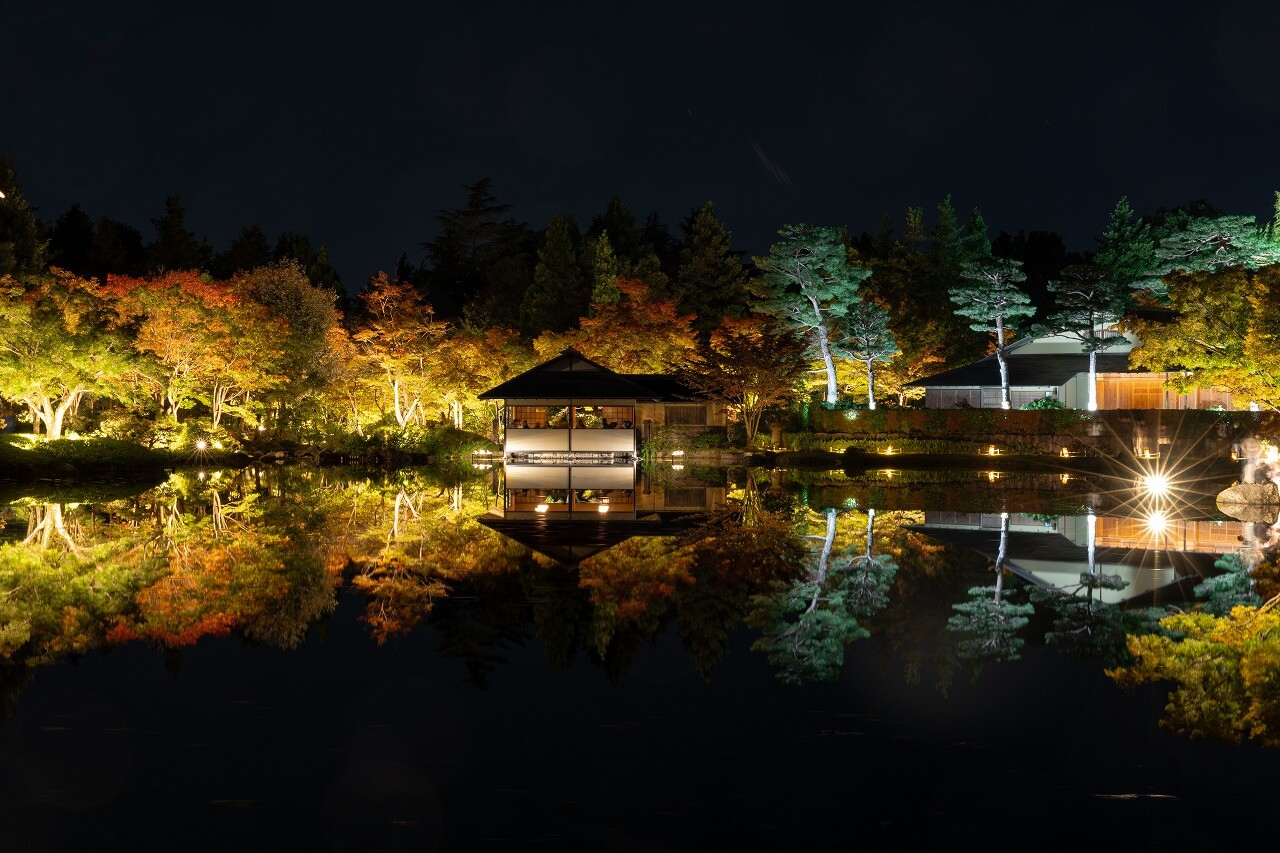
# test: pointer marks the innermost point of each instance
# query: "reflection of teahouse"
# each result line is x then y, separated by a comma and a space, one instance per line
1159, 562
571, 512
575, 409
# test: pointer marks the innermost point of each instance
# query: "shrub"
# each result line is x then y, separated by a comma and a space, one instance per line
1044, 404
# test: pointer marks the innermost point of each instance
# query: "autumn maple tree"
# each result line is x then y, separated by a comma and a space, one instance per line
749, 364
399, 336
56, 348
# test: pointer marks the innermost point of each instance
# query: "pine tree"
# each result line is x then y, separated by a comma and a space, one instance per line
711, 282
810, 285
23, 247
1127, 250
117, 249
601, 268
175, 248
975, 245
72, 242
249, 250
1088, 303
472, 240
990, 297
867, 339
557, 298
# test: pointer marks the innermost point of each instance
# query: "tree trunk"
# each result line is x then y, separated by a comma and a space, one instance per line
824, 346
1001, 554
871, 385
871, 532
1093, 380
1005, 403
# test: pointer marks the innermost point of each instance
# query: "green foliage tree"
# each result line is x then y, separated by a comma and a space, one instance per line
310, 317
471, 242
810, 285
557, 298
1127, 250
711, 283
989, 622
249, 250
175, 248
23, 246
990, 297
601, 266
1223, 671
1089, 302
807, 624
867, 338
117, 249
1205, 244
56, 348
71, 244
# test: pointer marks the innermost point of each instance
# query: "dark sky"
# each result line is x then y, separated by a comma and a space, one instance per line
353, 126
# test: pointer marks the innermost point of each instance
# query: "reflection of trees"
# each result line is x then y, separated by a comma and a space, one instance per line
411, 538
988, 623
1086, 626
807, 624
1225, 672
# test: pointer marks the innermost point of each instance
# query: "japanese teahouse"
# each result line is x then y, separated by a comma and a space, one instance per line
571, 431
572, 409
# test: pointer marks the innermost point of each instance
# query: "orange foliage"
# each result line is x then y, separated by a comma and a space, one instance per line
635, 574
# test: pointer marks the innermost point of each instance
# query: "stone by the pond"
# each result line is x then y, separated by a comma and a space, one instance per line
1251, 502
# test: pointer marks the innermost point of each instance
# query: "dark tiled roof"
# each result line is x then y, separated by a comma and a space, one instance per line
571, 375
1024, 370
669, 388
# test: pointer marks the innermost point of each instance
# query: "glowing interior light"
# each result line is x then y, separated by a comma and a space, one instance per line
1066, 453
677, 453
217, 445
677, 467
202, 444
888, 450
1156, 484
540, 508
1157, 522
602, 508
991, 450
200, 476
261, 428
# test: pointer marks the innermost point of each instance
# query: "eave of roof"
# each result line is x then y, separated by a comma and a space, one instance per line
1024, 370
573, 376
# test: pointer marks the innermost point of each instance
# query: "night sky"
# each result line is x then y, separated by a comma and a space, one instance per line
354, 126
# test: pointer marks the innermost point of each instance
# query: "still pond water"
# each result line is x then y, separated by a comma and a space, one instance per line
602, 659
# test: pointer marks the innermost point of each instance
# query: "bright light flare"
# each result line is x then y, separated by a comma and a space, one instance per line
1157, 522
603, 508
540, 508
202, 445
1156, 485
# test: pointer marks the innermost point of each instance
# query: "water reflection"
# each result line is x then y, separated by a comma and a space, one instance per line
933, 568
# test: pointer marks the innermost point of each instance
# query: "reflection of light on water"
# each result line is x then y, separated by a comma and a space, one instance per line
1157, 522
1065, 478
888, 472
1156, 485
992, 476
540, 508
